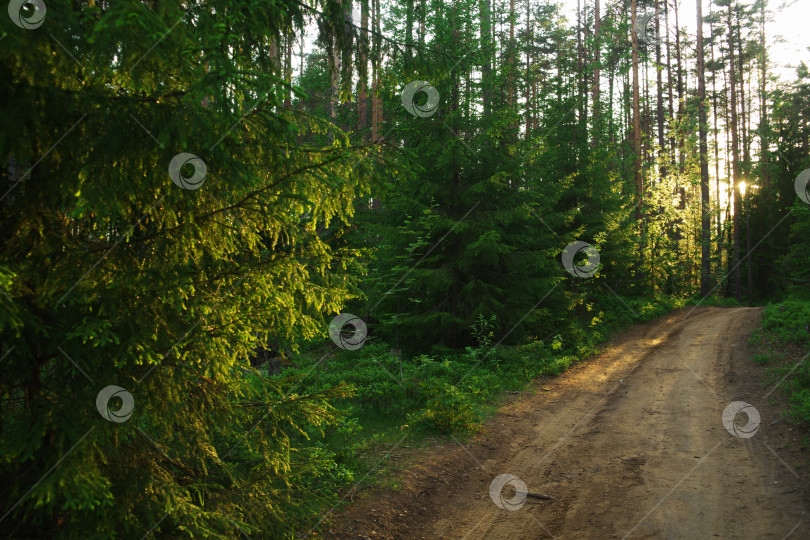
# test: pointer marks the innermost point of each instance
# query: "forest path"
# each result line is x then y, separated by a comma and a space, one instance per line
630, 444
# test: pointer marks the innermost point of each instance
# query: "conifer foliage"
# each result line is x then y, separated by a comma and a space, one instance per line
160, 221
189, 186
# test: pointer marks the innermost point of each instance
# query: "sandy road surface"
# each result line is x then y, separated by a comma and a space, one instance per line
630, 444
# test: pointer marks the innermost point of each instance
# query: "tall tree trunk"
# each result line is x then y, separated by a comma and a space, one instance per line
334, 80
274, 52
705, 215
716, 145
454, 104
408, 27
584, 76
288, 70
376, 60
743, 127
646, 115
301, 54
748, 246
735, 166
512, 56
763, 108
611, 78
486, 50
597, 26
347, 64
670, 86
529, 74
422, 22
577, 78
636, 115
362, 72
659, 92
681, 112
376, 78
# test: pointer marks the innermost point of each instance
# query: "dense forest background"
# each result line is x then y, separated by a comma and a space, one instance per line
238, 269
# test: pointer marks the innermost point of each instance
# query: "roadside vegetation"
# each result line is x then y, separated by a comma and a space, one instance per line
783, 346
189, 190
393, 400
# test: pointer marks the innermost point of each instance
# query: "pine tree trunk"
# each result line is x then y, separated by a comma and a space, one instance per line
579, 73
716, 148
529, 77
346, 57
300, 136
636, 116
334, 81
705, 215
422, 23
748, 246
735, 167
659, 92
486, 50
362, 70
763, 108
288, 69
408, 27
595, 92
611, 77
584, 78
671, 100
743, 127
512, 52
274, 52
681, 112
454, 104
376, 100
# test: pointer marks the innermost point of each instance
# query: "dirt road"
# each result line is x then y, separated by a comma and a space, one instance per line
630, 444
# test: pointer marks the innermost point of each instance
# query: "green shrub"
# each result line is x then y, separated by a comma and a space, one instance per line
448, 410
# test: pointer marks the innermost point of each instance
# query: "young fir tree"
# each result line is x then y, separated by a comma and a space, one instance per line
113, 274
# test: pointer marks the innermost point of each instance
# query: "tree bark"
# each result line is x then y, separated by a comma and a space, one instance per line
486, 50
597, 26
512, 57
659, 91
376, 100
743, 127
408, 28
362, 71
529, 75
288, 69
636, 114
705, 216
671, 100
763, 114
716, 147
679, 190
735, 167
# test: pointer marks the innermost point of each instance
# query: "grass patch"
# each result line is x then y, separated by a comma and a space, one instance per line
783, 343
